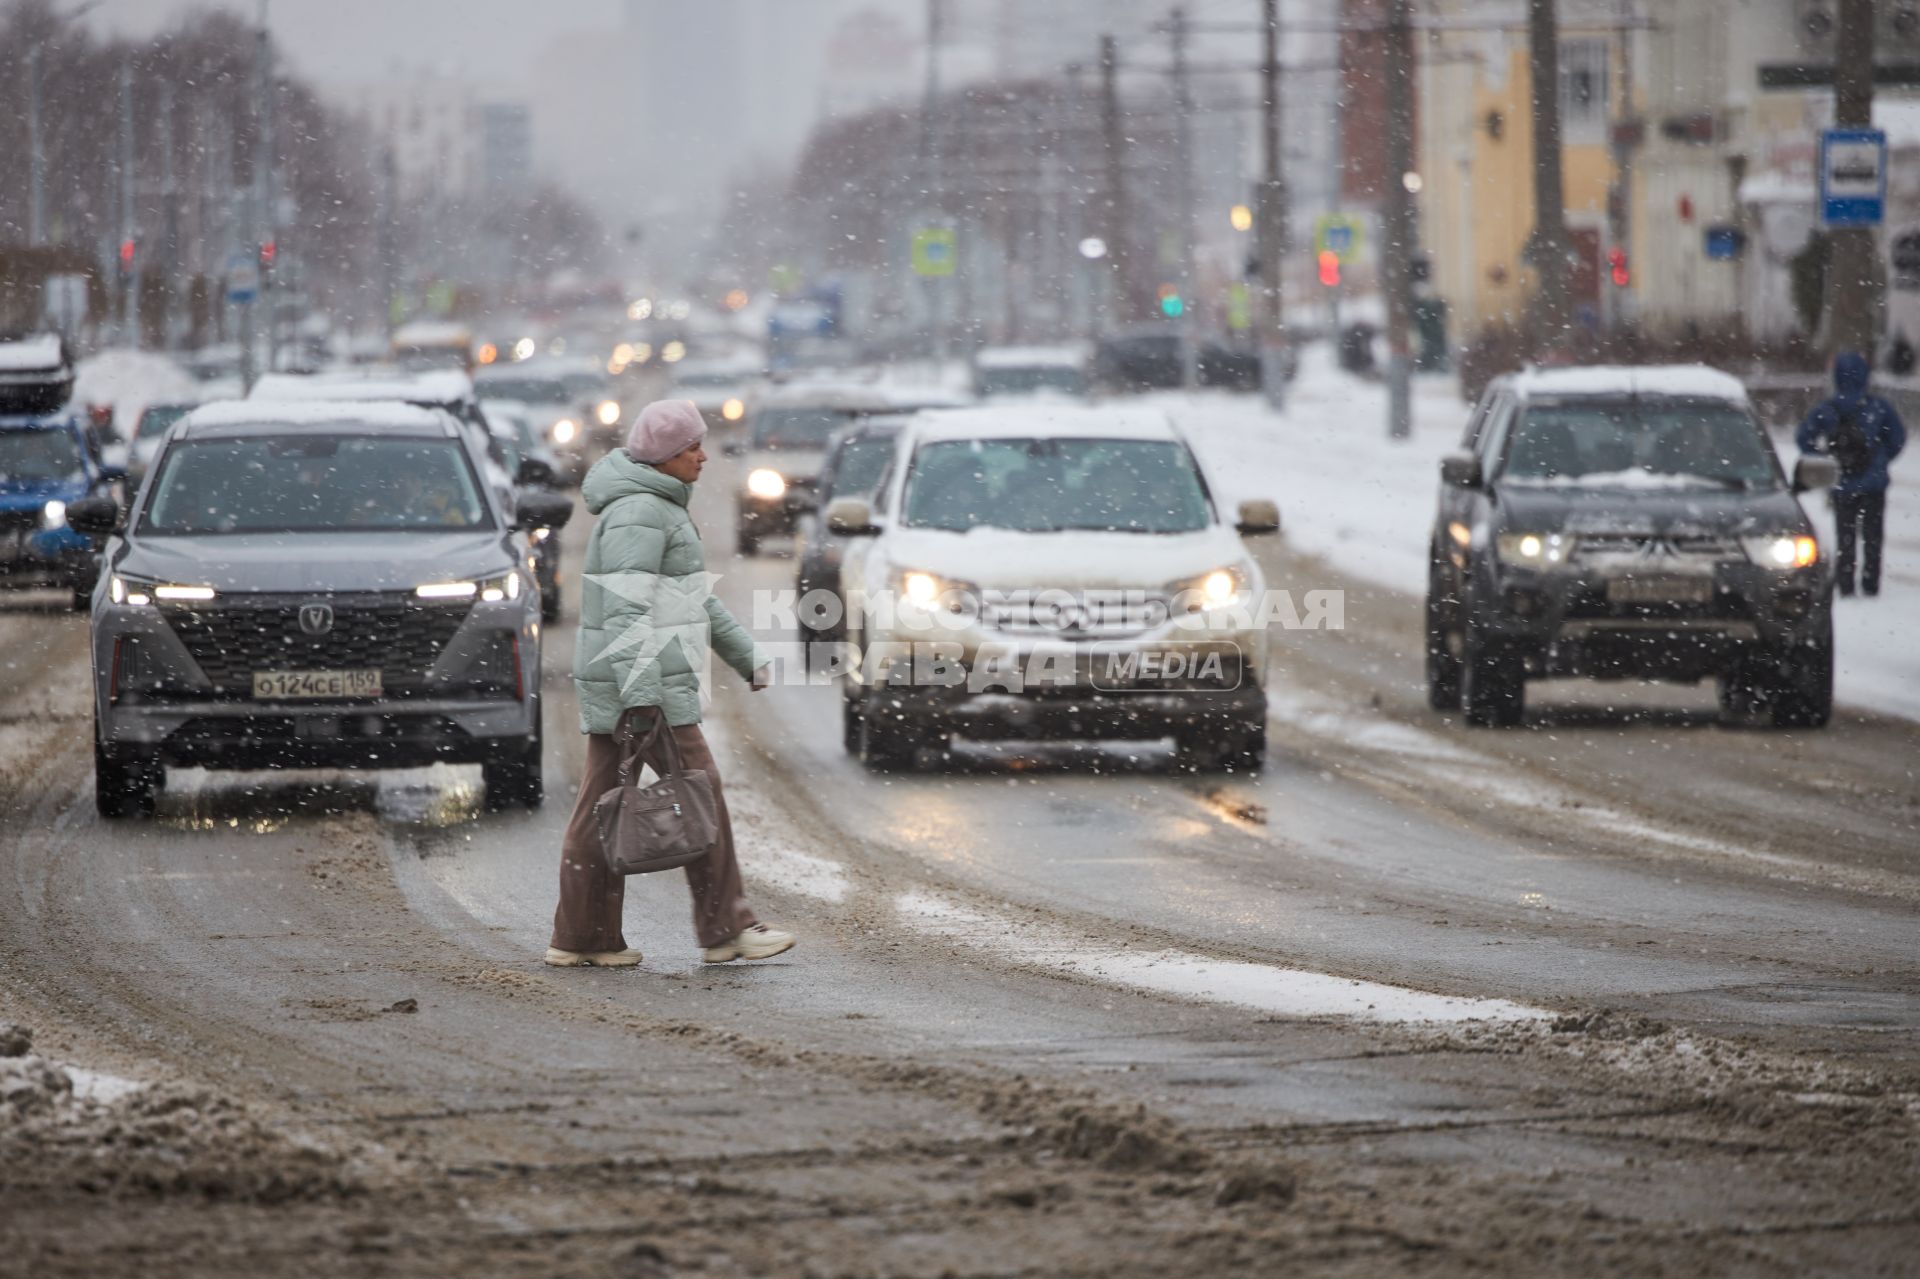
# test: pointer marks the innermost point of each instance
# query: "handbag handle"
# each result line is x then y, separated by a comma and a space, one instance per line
631, 758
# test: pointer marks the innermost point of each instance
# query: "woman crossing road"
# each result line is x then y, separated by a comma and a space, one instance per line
647, 624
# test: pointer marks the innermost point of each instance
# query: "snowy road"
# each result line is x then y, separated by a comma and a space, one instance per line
1052, 1008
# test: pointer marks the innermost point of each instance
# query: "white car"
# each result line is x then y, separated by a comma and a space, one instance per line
1051, 572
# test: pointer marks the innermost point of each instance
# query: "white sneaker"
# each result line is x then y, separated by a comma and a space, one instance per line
757, 942
627, 958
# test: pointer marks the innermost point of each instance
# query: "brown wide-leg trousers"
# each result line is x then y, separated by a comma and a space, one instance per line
592, 897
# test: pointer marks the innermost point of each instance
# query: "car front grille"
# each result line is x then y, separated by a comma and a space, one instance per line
401, 635
1092, 615
1657, 548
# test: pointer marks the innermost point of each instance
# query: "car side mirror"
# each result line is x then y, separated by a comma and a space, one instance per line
534, 471
851, 517
1258, 516
1461, 471
97, 516
733, 448
1811, 473
534, 509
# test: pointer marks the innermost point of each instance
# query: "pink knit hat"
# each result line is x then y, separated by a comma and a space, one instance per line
664, 428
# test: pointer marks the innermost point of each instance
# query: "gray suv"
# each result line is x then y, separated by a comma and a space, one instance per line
316, 586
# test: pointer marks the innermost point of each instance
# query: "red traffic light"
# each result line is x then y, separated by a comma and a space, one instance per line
126, 252
1330, 268
267, 251
1617, 262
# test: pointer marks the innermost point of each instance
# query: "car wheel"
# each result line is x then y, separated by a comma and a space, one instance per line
82, 599
1242, 752
1443, 664
1740, 694
516, 781
1800, 691
126, 784
1493, 684
884, 743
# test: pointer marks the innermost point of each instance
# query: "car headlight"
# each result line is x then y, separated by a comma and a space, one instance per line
733, 410
608, 412
766, 483
139, 593
504, 587
1535, 550
1782, 550
926, 590
564, 430
1220, 588
447, 590
54, 514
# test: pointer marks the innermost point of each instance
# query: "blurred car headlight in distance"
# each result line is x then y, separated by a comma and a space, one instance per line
54, 514
1782, 551
766, 483
564, 430
608, 412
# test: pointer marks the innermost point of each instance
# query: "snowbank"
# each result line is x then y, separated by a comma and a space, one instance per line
131, 380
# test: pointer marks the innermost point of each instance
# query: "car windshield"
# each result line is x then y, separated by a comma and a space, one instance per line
29, 456
1639, 444
532, 390
155, 421
801, 429
1024, 381
1053, 485
863, 460
313, 483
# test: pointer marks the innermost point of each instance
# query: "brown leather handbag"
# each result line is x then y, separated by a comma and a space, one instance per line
650, 828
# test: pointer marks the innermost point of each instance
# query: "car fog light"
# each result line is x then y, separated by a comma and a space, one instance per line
766, 483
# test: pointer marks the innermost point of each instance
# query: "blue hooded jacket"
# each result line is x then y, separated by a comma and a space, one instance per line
1885, 432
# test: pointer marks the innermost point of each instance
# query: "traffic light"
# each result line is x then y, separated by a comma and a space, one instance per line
1330, 268
1172, 305
126, 254
1617, 266
268, 251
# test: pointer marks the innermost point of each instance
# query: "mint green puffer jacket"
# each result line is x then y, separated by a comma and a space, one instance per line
647, 618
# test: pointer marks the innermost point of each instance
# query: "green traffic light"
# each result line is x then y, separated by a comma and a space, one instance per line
1173, 307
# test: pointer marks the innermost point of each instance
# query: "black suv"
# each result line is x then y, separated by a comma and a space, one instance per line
1626, 523
317, 586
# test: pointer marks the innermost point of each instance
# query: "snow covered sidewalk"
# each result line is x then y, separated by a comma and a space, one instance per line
1365, 503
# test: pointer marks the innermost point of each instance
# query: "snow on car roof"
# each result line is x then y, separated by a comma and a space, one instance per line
35, 354
1042, 421
432, 333
1697, 381
385, 415
444, 386
1030, 357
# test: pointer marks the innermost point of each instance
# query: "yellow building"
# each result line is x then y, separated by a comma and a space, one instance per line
1476, 160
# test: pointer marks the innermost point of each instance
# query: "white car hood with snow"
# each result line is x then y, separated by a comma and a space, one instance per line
1070, 560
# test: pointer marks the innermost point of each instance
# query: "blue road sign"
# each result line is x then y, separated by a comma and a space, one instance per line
243, 277
1853, 177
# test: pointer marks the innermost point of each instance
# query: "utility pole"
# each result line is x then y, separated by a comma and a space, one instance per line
37, 155
169, 216
1396, 254
936, 174
1177, 34
1119, 214
1853, 271
129, 234
268, 197
255, 214
1271, 214
1547, 248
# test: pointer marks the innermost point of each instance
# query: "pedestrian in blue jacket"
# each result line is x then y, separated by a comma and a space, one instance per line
1863, 434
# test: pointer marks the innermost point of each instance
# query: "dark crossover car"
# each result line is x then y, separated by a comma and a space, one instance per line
1626, 523
316, 586
48, 462
857, 461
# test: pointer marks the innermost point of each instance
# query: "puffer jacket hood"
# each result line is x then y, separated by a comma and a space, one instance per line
1850, 375
616, 476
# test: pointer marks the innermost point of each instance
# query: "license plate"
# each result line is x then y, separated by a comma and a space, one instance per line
314, 685
1659, 590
